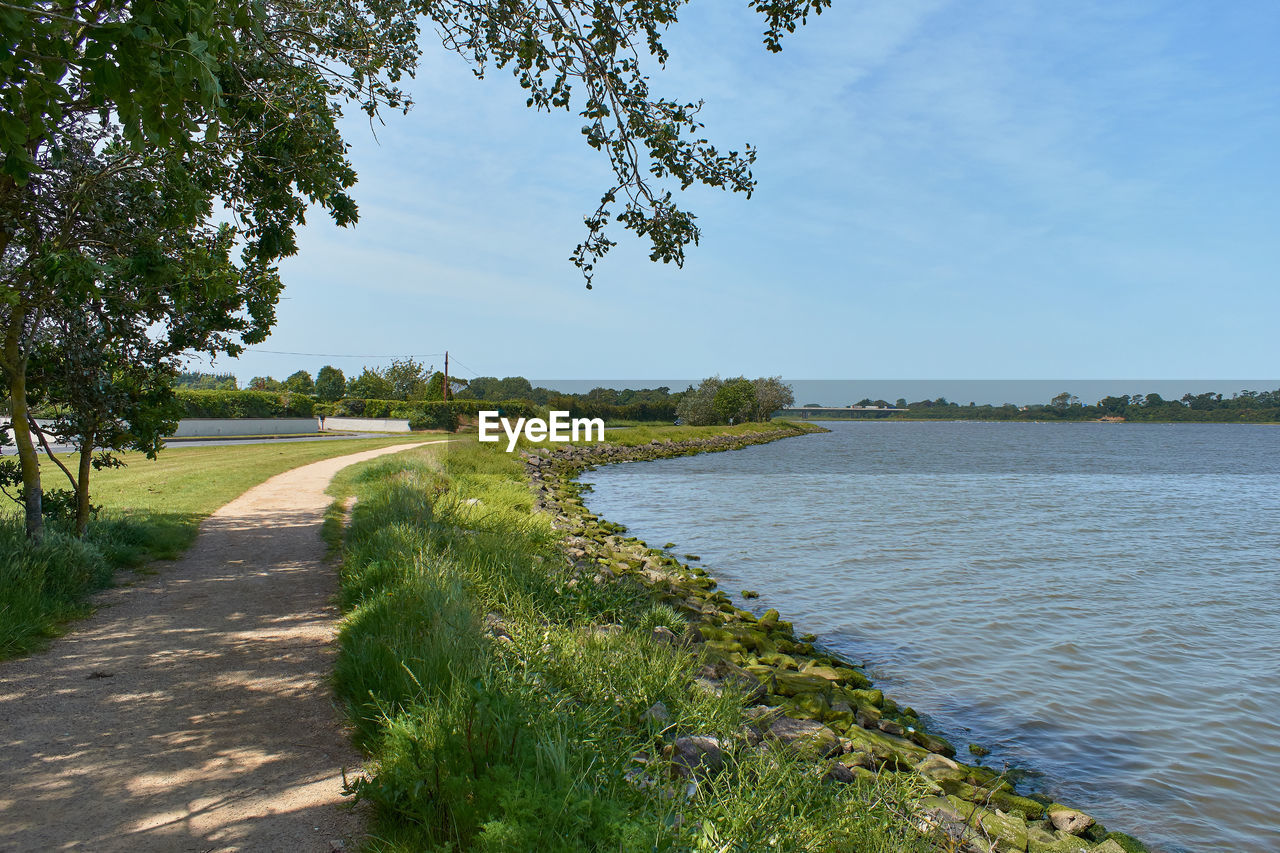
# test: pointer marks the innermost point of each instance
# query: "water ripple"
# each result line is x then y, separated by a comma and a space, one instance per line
1097, 604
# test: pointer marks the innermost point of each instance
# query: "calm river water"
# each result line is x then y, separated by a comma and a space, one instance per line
1098, 604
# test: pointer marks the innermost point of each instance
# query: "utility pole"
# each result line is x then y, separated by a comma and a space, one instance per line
446, 375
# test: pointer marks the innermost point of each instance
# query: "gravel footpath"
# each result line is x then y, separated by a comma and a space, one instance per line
192, 712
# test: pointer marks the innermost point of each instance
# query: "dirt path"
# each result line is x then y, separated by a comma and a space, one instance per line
192, 712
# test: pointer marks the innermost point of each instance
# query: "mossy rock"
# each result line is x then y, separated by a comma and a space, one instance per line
840, 720
727, 649
809, 706
862, 696
779, 660
826, 672
1127, 843
1010, 830
1062, 843
770, 619
793, 683
933, 743
1009, 802
900, 754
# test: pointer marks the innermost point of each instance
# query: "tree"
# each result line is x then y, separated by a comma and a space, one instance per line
735, 401
265, 383
370, 385
436, 389
408, 379
697, 406
331, 385
198, 381
300, 383
244, 99
771, 394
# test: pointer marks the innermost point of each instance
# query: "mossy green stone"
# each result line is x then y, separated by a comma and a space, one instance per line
1008, 802
809, 706
859, 696
1127, 843
793, 683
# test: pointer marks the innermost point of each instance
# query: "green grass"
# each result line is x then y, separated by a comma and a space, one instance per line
151, 510
531, 735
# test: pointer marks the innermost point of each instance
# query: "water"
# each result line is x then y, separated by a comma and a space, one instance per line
1098, 604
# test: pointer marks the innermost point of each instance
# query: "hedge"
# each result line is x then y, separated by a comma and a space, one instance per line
427, 411
245, 404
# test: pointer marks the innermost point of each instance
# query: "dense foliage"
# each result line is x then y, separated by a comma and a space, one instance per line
736, 400
245, 404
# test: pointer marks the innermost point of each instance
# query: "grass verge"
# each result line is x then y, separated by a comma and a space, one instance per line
508, 703
151, 510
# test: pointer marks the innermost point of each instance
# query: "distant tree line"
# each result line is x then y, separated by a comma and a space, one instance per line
409, 380
1243, 407
404, 379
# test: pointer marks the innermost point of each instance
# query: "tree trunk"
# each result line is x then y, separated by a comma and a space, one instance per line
27, 456
82, 487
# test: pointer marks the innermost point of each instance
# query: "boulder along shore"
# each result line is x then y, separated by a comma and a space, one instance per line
804, 698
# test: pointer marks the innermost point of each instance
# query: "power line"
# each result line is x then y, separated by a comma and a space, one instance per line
344, 355
464, 367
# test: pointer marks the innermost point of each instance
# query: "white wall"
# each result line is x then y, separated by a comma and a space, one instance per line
365, 424
192, 427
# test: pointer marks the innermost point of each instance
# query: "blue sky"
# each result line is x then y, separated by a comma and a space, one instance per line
964, 190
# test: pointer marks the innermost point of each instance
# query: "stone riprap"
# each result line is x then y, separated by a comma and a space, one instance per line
799, 697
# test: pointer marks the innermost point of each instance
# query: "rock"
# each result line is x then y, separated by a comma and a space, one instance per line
696, 754
714, 678
934, 743
867, 716
826, 672
787, 683
1109, 846
657, 713
663, 634
1011, 830
806, 737
979, 751
810, 706
1008, 802
891, 727
1068, 820
838, 772
495, 627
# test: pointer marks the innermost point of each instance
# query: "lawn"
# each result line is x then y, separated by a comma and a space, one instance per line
151, 509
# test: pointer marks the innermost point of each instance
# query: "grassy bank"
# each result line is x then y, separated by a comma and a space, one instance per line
151, 510
511, 701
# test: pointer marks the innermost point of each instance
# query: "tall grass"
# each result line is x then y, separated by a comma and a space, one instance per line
500, 716
43, 586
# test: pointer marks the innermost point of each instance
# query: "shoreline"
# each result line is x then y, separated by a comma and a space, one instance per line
795, 686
